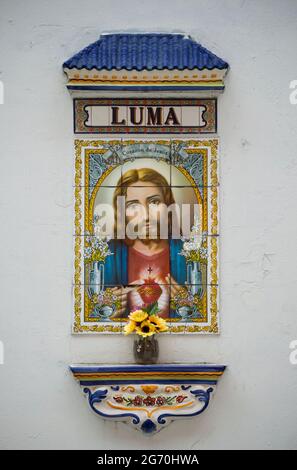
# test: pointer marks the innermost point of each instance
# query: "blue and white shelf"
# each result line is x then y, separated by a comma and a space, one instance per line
148, 397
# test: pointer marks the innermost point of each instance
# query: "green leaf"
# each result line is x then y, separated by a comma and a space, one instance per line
153, 308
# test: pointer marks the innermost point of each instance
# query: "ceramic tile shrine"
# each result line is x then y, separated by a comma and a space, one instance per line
146, 214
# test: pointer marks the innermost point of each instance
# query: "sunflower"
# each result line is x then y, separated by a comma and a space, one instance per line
159, 323
138, 316
130, 327
146, 329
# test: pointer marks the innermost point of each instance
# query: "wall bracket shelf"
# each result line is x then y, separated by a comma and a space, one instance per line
148, 397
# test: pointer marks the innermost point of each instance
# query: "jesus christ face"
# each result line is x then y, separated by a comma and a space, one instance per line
145, 205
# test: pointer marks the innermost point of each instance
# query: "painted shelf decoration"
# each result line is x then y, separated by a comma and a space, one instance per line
148, 397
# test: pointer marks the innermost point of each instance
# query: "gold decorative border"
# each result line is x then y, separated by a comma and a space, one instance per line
212, 144
77, 326
146, 76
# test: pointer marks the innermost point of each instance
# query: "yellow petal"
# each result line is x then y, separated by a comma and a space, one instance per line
160, 323
138, 315
129, 328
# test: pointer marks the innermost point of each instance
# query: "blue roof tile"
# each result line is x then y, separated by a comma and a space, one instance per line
145, 51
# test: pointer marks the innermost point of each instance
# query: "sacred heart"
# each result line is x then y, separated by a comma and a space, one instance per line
150, 291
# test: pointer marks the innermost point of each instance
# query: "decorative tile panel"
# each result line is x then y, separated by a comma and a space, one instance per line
177, 172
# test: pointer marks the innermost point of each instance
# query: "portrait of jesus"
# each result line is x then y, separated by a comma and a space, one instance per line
145, 269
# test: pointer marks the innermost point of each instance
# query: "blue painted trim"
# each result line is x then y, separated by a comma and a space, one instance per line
143, 88
94, 398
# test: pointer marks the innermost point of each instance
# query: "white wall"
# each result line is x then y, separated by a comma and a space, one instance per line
255, 404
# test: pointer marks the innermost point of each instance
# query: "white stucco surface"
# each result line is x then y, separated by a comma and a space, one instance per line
255, 403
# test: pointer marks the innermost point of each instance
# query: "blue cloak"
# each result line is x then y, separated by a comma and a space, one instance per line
116, 265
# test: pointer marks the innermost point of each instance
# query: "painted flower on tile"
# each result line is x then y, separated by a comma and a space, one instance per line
149, 401
160, 401
137, 401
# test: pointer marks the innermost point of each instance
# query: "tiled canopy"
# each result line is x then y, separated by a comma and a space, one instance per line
145, 52
150, 59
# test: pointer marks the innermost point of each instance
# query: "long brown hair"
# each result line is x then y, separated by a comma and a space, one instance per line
144, 175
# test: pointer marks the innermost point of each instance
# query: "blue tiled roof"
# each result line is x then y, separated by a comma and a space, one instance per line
145, 51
